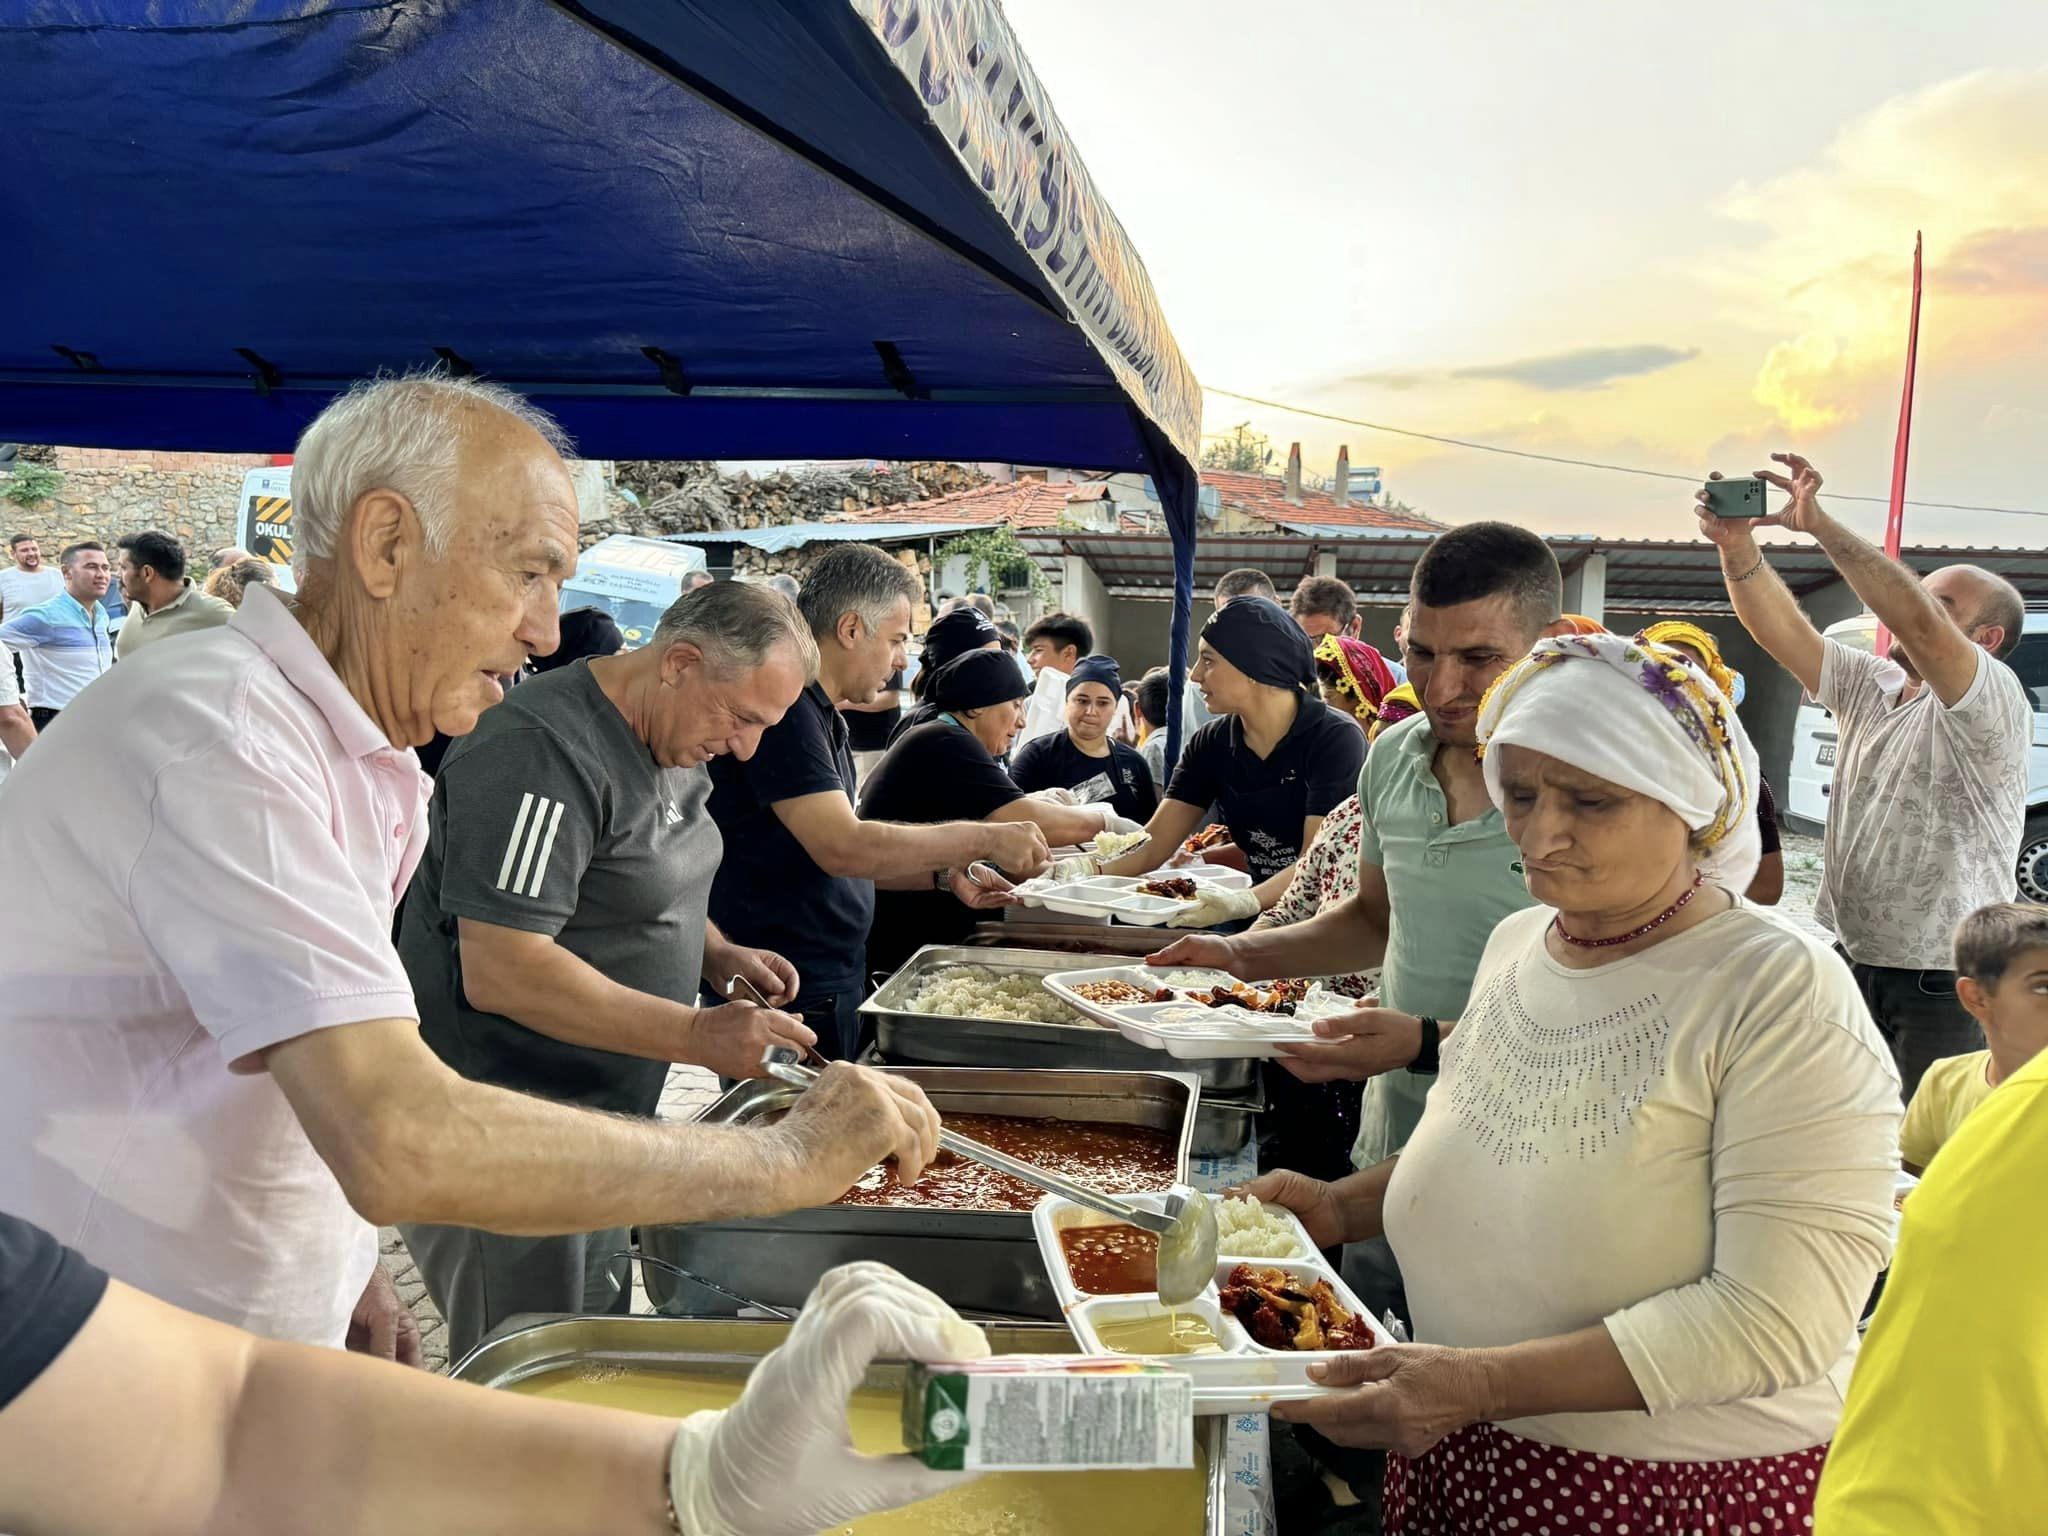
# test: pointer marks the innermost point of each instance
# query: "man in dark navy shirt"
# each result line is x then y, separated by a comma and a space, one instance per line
803, 868
1082, 758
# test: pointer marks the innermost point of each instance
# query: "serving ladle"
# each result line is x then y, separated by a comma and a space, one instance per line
1186, 1229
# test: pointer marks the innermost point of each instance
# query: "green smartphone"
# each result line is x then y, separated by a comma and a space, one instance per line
1736, 498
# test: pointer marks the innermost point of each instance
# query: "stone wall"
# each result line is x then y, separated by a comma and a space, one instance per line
110, 492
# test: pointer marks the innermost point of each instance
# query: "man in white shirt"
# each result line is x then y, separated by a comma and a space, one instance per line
1052, 646
1930, 789
31, 581
216, 1086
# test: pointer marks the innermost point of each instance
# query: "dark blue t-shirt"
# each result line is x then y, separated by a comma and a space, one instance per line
1310, 772
1054, 762
770, 893
48, 1293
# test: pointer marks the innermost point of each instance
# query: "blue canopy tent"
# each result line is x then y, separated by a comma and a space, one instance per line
687, 228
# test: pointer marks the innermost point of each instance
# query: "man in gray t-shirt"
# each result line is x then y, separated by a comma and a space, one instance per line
555, 932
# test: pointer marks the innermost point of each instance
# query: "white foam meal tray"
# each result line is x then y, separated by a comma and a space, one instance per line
1117, 897
1245, 1376
1194, 1031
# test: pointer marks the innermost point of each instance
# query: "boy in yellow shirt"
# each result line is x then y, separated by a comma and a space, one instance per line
2002, 978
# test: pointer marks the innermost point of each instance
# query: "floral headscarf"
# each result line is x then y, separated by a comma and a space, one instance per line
1357, 671
1641, 716
1693, 638
1399, 705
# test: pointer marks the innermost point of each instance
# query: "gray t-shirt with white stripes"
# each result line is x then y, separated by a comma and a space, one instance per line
552, 817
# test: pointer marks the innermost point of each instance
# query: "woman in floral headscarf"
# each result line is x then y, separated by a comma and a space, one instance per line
1651, 1190
1355, 679
1700, 648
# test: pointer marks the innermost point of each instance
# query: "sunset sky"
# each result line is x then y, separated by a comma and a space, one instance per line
1670, 237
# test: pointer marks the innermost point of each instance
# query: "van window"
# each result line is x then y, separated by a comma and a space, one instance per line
1858, 638
2031, 662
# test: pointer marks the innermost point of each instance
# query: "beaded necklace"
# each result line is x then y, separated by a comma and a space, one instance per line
1652, 925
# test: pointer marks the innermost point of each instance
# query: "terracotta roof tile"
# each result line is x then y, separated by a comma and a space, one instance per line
1020, 503
1266, 496
1039, 504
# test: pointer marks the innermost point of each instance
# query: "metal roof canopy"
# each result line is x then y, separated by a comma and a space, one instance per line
1642, 575
687, 228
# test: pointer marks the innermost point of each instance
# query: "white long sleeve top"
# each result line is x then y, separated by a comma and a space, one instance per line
1693, 1146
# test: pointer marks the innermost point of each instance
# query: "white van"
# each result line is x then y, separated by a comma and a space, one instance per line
632, 579
1811, 775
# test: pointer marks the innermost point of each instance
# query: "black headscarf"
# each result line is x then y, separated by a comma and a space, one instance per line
1097, 669
1256, 636
976, 680
585, 632
956, 634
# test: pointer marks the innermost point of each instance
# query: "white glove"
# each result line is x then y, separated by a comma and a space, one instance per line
780, 1461
1213, 906
1075, 866
1111, 822
1055, 796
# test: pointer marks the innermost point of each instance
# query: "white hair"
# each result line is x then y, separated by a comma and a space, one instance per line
400, 434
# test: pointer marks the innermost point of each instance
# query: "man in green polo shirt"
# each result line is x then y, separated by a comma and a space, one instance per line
1436, 868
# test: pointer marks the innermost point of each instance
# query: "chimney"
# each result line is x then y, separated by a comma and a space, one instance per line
1342, 494
1292, 481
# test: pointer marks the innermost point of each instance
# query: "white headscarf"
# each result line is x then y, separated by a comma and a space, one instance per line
1644, 717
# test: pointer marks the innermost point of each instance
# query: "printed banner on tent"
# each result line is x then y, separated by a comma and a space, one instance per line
970, 72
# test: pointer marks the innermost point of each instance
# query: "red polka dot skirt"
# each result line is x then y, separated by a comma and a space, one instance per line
1484, 1479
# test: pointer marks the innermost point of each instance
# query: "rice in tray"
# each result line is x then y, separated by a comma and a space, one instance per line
1247, 1228
976, 992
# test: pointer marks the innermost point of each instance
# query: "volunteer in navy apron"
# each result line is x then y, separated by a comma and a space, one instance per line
1275, 761
947, 770
1082, 758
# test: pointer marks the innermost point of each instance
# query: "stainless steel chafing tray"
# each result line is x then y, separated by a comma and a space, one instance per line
980, 1261
530, 1346
905, 1036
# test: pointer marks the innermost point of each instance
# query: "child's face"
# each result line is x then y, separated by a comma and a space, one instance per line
2018, 1005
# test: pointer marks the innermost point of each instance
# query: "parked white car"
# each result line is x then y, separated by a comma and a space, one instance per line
1812, 771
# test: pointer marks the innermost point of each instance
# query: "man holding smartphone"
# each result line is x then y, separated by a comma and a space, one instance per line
1930, 790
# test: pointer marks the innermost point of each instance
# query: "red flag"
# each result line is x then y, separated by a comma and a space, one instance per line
1898, 508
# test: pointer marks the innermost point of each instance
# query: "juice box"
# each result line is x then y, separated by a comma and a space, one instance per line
1026, 1413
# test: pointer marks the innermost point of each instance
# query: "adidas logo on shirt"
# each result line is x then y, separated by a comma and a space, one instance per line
530, 846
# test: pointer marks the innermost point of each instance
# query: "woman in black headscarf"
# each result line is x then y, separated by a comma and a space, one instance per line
1275, 761
952, 635
946, 770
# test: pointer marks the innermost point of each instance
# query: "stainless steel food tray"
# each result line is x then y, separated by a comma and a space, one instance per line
945, 1040
527, 1346
980, 1261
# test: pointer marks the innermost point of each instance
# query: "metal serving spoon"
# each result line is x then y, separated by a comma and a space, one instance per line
1186, 1230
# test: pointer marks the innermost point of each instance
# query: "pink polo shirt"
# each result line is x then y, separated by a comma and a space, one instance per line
198, 861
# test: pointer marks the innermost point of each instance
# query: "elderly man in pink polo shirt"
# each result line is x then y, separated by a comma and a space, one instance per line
211, 1075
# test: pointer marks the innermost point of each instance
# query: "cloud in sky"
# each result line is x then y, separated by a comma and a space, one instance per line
1581, 368
1584, 368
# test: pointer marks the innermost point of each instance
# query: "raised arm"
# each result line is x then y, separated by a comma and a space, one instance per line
1061, 824
1762, 601
1164, 833
1942, 653
409, 1140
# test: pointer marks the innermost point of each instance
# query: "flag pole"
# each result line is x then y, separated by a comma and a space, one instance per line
1896, 516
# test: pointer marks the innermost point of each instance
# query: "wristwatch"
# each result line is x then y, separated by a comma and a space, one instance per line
1426, 1059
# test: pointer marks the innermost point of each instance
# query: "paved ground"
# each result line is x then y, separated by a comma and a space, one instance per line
692, 1088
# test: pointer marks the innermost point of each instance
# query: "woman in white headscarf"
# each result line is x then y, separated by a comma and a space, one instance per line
1649, 1195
